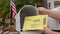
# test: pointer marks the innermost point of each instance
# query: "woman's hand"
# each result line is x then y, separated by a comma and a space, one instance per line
47, 30
42, 10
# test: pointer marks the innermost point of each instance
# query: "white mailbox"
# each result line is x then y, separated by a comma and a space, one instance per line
27, 10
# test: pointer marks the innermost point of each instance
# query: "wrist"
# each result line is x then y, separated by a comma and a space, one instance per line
47, 11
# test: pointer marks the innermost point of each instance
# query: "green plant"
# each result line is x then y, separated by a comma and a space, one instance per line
20, 3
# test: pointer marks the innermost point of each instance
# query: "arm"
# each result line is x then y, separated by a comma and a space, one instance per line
51, 13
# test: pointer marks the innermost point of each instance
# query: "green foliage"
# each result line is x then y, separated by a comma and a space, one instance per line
4, 9
20, 3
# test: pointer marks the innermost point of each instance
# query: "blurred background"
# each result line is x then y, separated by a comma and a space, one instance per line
5, 7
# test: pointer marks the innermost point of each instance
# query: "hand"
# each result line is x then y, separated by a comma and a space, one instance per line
42, 10
47, 30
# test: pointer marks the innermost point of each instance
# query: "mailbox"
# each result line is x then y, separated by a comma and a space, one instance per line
27, 10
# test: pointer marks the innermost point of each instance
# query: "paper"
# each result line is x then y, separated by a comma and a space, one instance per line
35, 22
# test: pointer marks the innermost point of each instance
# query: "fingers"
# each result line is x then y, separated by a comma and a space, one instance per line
38, 9
47, 25
41, 10
44, 29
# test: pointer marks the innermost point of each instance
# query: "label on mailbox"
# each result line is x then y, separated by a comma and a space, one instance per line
35, 22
